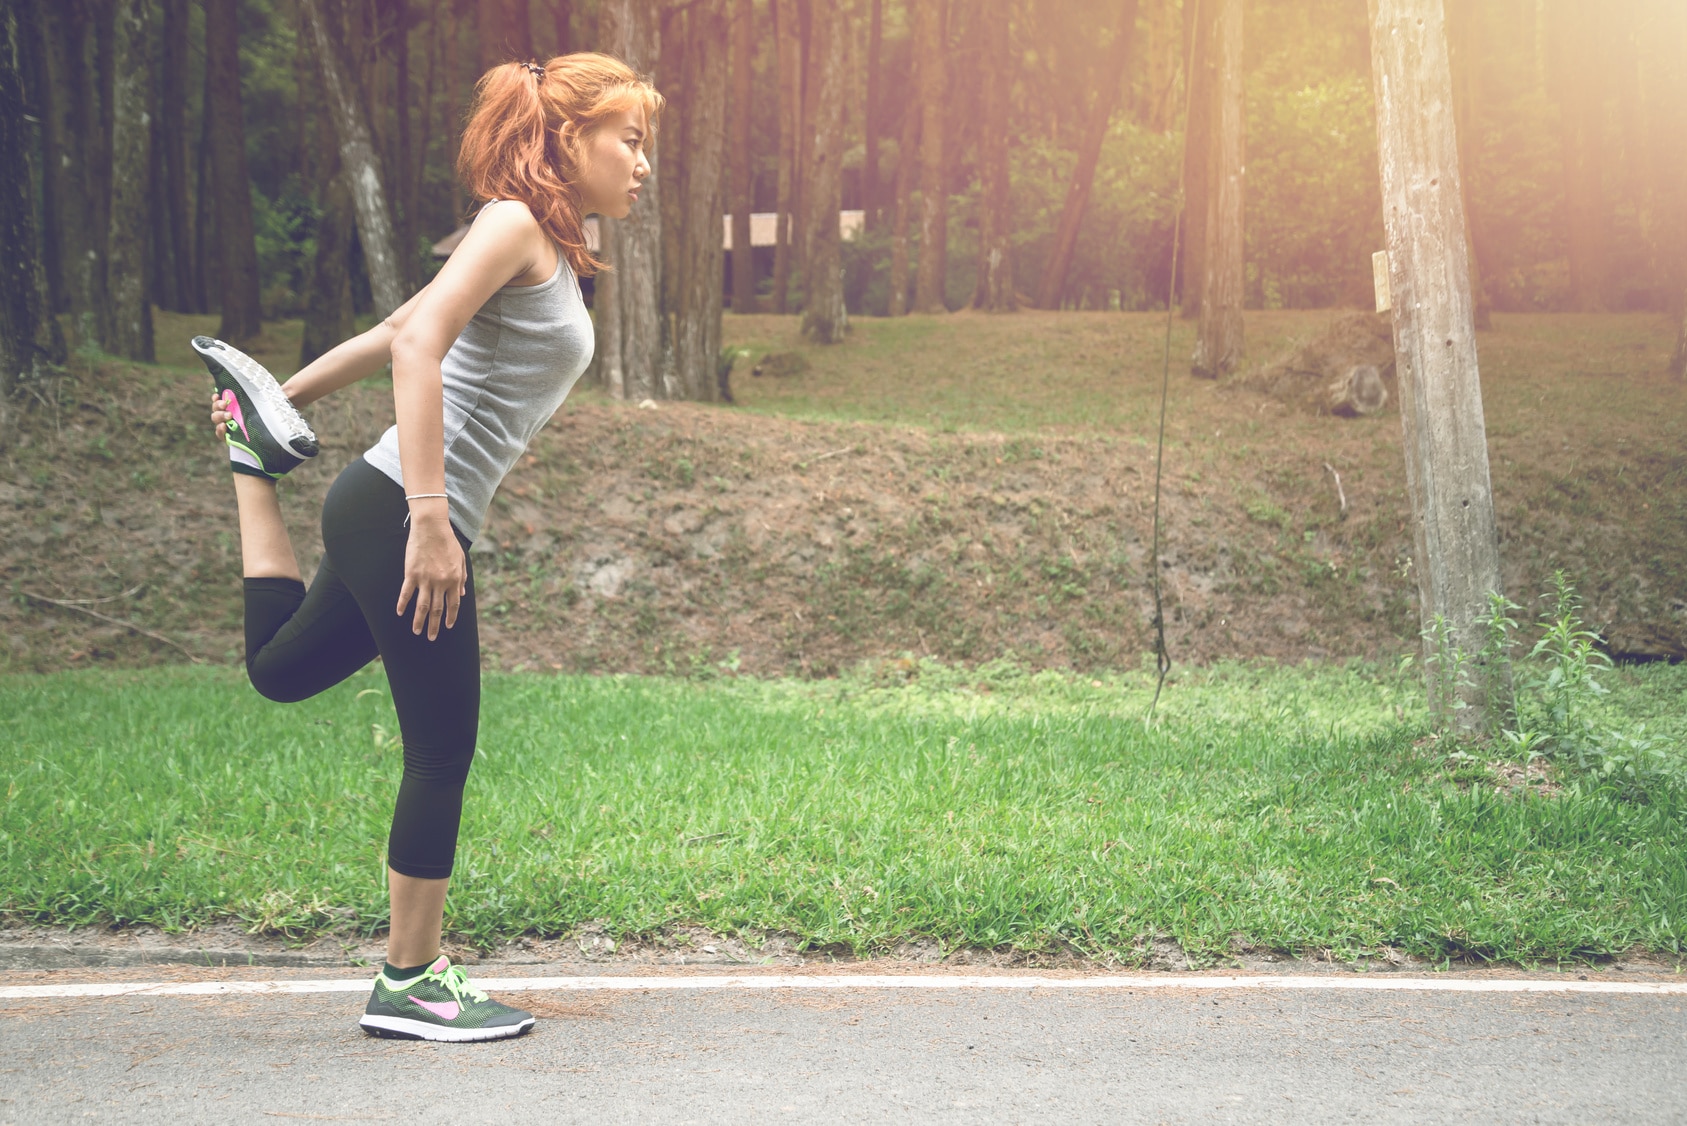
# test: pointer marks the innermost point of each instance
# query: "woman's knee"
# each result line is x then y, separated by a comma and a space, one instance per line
273, 684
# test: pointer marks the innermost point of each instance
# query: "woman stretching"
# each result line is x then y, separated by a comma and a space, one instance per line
480, 358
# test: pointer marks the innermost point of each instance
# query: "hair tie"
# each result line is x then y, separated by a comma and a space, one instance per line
534, 69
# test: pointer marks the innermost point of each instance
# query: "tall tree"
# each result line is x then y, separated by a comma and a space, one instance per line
995, 290
1201, 66
175, 229
824, 318
62, 34
28, 333
870, 203
1576, 43
1218, 343
743, 164
696, 310
328, 308
931, 63
788, 54
506, 32
907, 155
231, 187
1467, 84
357, 155
634, 365
562, 13
1089, 155
128, 330
1457, 543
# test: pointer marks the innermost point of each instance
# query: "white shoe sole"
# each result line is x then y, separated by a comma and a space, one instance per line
277, 413
422, 1030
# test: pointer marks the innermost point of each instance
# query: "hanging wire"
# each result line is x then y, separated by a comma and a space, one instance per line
1162, 656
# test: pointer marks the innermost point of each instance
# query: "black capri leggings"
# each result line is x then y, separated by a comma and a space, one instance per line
300, 642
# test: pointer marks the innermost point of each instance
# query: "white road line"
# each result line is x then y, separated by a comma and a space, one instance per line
1110, 983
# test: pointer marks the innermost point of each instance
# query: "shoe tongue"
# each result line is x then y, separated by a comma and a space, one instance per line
439, 966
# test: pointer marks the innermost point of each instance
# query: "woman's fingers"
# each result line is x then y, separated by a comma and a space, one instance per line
451, 606
405, 591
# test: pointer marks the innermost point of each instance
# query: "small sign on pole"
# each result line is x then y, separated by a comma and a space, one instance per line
1379, 278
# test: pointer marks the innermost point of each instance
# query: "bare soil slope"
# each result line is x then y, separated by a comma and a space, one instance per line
690, 538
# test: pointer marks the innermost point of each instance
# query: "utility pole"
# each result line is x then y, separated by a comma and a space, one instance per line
1456, 556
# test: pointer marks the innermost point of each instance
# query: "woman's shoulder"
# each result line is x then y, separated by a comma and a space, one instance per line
507, 214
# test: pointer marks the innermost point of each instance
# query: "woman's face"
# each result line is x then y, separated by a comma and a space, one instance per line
615, 166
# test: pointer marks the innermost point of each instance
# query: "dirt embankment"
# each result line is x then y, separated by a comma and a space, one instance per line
691, 537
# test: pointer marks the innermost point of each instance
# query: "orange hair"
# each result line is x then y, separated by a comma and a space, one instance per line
526, 135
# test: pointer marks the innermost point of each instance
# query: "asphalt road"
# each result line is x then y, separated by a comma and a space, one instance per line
867, 1055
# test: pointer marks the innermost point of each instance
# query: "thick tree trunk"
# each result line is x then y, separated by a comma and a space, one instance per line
872, 124
408, 228
1218, 343
1456, 559
629, 29
328, 312
903, 221
99, 87
29, 338
931, 72
1580, 107
1089, 155
358, 158
824, 318
231, 187
697, 310
789, 56
129, 328
1202, 66
562, 12
207, 265
1467, 69
63, 174
995, 291
805, 125
743, 166
175, 204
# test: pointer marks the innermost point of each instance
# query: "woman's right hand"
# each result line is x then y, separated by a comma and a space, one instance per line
434, 571
220, 416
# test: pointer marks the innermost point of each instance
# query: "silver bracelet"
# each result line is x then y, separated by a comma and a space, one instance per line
425, 496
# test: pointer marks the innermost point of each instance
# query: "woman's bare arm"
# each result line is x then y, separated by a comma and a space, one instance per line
350, 360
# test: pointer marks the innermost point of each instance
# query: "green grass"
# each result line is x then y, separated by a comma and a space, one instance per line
1291, 808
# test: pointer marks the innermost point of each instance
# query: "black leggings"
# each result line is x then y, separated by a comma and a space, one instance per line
300, 642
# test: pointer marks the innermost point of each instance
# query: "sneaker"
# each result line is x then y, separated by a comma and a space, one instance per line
439, 1005
267, 437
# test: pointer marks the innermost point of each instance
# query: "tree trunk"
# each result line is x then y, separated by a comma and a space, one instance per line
63, 172
629, 29
29, 336
98, 326
789, 56
1581, 106
697, 312
995, 291
743, 167
231, 187
562, 14
805, 125
358, 157
824, 318
328, 312
1456, 558
129, 331
1202, 66
172, 157
904, 217
206, 256
1467, 69
408, 229
1218, 343
872, 124
1089, 155
930, 66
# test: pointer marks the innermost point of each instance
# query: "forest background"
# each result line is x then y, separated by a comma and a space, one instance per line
155, 179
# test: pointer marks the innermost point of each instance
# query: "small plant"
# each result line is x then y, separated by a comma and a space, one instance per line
1448, 671
1564, 682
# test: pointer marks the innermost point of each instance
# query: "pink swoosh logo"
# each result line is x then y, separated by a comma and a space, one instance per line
232, 405
444, 1010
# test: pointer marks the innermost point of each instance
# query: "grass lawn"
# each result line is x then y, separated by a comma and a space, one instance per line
1286, 808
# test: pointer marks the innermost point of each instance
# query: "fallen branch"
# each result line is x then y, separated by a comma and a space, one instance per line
1341, 496
75, 604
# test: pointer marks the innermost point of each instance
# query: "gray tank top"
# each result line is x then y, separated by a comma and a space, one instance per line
507, 373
